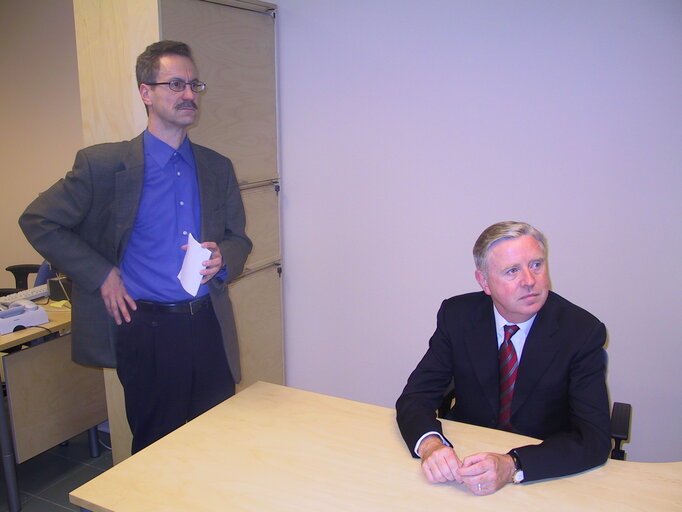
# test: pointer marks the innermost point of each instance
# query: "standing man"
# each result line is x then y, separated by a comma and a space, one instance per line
118, 223
522, 359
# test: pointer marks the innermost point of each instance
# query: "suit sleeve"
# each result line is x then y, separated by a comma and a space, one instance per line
587, 442
425, 388
50, 225
235, 245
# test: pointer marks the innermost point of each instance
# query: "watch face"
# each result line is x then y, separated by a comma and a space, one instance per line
518, 476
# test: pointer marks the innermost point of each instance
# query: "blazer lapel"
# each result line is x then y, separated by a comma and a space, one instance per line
129, 183
540, 348
481, 343
208, 190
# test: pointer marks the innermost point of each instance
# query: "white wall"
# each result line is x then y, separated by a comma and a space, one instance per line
41, 127
407, 127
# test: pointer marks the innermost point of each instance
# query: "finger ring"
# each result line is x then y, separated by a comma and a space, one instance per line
479, 487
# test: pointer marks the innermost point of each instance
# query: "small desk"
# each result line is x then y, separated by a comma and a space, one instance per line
59, 322
49, 397
273, 448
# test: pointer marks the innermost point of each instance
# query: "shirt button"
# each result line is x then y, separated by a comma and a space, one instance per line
178, 173
184, 232
182, 203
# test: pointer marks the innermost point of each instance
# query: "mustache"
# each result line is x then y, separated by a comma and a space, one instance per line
186, 104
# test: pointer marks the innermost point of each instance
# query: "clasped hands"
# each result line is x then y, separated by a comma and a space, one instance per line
116, 298
481, 473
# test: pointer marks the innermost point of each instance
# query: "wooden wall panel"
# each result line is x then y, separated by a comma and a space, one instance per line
119, 430
110, 34
235, 52
262, 225
258, 308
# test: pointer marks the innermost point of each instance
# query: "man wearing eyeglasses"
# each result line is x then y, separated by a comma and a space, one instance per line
118, 225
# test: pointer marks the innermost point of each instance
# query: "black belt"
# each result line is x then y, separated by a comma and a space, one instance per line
191, 307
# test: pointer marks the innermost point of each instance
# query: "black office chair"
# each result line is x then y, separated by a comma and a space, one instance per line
620, 421
620, 428
21, 273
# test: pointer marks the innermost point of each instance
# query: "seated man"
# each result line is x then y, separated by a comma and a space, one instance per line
522, 359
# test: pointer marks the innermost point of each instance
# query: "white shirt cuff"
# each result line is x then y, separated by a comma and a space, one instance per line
434, 433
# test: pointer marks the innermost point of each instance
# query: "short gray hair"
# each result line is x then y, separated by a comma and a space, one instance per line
503, 231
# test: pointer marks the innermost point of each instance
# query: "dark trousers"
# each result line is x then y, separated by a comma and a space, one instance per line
173, 368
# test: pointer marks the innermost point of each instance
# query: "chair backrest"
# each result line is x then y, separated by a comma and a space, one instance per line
21, 273
620, 428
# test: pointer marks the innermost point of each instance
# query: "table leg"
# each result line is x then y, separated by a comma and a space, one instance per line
8, 462
93, 439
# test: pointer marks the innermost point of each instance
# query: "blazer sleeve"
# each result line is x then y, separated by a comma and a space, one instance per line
235, 245
223, 218
586, 443
51, 224
425, 389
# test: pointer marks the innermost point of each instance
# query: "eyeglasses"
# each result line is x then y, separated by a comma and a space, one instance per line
179, 85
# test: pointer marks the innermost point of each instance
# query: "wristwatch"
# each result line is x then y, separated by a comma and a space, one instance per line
517, 476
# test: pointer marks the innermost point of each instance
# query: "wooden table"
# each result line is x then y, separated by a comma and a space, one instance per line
272, 448
50, 398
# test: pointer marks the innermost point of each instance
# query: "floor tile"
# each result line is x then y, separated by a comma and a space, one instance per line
104, 461
59, 492
40, 505
40, 472
77, 448
4, 506
46, 480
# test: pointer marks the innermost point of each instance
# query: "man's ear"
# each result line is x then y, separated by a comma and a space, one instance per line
144, 94
480, 277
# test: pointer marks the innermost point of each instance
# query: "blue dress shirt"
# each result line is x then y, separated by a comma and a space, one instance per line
169, 209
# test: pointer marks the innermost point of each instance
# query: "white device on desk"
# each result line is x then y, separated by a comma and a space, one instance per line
21, 314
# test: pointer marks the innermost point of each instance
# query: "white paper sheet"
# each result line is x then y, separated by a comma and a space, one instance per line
189, 275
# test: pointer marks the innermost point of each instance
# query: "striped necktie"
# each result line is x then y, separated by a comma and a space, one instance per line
509, 364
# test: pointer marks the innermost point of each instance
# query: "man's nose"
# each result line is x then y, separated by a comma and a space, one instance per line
527, 278
188, 93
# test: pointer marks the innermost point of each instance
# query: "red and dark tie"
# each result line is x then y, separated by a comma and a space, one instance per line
509, 364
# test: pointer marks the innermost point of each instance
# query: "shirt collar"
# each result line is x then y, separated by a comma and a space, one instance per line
161, 152
500, 322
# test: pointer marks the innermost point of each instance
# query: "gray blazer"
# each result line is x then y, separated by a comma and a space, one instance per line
82, 225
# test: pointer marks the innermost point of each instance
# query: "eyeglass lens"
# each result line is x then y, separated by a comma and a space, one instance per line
179, 85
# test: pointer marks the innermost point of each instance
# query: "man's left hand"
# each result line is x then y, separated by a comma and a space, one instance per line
212, 265
485, 473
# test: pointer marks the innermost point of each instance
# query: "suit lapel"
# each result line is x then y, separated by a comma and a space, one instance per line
481, 343
540, 348
129, 183
208, 189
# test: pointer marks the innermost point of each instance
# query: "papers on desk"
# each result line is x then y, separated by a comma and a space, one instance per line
189, 275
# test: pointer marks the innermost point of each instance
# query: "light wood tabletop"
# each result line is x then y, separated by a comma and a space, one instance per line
273, 448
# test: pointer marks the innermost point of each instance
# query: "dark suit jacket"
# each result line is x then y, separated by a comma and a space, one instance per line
560, 394
82, 225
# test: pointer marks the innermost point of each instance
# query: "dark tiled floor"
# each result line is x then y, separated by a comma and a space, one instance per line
46, 480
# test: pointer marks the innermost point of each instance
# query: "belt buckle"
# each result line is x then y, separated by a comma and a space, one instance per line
195, 305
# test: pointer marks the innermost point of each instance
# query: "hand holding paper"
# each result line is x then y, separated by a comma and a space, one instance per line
189, 275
